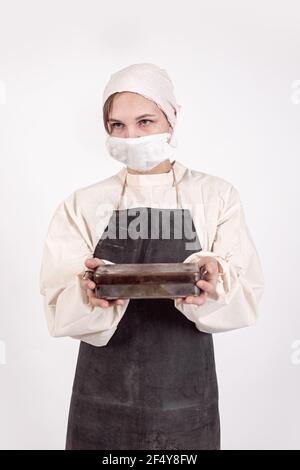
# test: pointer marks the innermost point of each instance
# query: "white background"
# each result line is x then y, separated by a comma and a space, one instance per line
235, 66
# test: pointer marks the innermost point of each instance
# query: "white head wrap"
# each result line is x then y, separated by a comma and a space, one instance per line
153, 83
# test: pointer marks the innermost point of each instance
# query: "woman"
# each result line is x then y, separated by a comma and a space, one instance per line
145, 375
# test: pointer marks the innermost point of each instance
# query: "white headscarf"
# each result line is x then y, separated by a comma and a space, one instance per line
153, 83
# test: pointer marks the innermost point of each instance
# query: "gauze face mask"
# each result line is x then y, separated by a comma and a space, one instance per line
140, 153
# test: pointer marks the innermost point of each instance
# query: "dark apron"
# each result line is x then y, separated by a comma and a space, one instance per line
154, 385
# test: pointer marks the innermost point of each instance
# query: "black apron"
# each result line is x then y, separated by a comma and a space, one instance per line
154, 385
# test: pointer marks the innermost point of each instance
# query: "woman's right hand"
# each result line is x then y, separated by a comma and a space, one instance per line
89, 286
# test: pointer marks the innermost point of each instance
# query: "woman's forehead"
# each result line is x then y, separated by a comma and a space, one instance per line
132, 105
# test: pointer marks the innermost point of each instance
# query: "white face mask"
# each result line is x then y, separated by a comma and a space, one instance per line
140, 153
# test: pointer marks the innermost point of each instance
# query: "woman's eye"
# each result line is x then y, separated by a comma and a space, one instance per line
146, 120
117, 125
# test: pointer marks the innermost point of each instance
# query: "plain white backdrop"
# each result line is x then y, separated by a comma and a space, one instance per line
235, 66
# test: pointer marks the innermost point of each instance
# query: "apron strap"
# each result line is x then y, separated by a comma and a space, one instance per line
178, 204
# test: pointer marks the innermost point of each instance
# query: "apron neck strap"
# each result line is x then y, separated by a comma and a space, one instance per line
173, 184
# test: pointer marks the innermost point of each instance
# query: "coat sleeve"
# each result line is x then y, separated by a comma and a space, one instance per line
241, 281
68, 312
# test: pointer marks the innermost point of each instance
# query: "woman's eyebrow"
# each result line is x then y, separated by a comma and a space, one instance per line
139, 117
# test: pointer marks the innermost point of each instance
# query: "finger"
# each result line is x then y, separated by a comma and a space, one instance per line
212, 272
192, 299
117, 302
87, 284
97, 302
206, 286
196, 299
179, 300
103, 302
210, 276
212, 266
93, 263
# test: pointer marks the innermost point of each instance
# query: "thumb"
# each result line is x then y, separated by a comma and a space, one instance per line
93, 263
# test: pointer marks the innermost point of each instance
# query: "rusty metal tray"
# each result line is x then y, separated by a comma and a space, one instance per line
148, 280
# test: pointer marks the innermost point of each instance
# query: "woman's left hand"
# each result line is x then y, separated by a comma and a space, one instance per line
207, 285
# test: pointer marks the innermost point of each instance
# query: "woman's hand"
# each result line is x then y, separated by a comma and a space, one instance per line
208, 284
89, 286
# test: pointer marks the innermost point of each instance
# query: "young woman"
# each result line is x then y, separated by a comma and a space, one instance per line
145, 375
